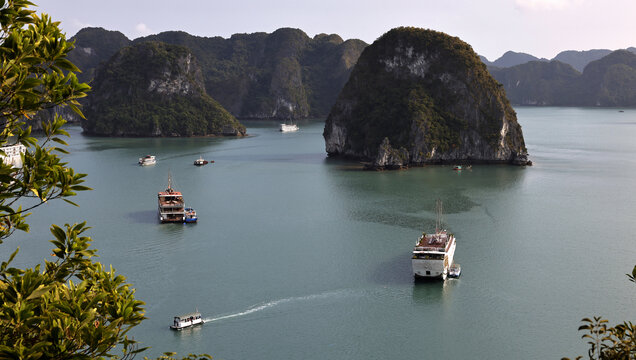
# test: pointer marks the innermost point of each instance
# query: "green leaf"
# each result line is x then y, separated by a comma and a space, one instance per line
66, 65
70, 202
58, 233
41, 290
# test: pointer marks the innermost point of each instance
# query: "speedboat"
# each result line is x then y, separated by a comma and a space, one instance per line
147, 160
454, 271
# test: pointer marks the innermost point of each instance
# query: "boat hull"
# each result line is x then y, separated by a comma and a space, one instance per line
430, 269
434, 269
172, 217
288, 127
185, 324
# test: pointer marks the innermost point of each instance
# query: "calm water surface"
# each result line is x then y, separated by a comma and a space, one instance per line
296, 256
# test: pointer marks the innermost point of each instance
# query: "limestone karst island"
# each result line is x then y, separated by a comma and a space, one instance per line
423, 97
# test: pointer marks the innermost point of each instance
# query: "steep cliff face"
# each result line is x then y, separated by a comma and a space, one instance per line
418, 96
285, 74
94, 46
154, 89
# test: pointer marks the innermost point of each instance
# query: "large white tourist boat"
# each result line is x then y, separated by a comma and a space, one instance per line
187, 320
433, 253
147, 160
288, 127
171, 205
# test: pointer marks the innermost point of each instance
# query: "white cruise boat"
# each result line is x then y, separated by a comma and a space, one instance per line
433, 253
186, 320
288, 127
147, 160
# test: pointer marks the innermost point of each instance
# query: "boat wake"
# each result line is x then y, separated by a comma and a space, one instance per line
271, 304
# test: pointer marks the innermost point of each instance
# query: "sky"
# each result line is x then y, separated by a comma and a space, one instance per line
542, 28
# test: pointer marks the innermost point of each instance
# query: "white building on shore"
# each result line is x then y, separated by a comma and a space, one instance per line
12, 155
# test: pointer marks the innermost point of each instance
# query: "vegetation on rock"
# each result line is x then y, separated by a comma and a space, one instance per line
609, 81
279, 75
94, 46
154, 89
428, 93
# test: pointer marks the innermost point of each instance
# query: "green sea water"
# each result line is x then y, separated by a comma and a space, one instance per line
296, 256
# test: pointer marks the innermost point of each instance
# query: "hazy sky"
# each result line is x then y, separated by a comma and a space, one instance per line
539, 27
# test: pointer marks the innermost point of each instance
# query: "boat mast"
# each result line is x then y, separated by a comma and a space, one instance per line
438, 211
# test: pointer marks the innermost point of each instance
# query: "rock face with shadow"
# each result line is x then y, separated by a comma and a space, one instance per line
154, 89
420, 97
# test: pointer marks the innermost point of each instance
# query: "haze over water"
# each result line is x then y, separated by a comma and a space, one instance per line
298, 256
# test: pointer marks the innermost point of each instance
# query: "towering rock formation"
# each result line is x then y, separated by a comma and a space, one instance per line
417, 97
154, 89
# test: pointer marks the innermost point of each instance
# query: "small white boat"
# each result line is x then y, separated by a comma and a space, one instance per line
454, 271
288, 127
147, 160
186, 320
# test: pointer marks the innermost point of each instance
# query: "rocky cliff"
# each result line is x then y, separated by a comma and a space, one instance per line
418, 97
154, 89
285, 74
93, 46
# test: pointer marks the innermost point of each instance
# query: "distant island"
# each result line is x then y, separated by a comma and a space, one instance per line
423, 97
608, 82
288, 75
598, 77
154, 89
282, 75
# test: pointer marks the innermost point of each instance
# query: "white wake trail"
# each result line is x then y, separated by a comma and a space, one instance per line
271, 304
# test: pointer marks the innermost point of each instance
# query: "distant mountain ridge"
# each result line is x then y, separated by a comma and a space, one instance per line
609, 81
577, 59
285, 74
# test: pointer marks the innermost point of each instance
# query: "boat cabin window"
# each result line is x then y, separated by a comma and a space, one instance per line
431, 256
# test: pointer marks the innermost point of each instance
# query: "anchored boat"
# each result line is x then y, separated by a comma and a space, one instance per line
288, 127
190, 215
454, 271
200, 161
433, 253
171, 205
186, 320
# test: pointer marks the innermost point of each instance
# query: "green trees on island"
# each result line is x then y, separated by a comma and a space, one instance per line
70, 307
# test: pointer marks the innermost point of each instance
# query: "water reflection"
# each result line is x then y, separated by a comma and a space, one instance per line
396, 271
406, 198
433, 291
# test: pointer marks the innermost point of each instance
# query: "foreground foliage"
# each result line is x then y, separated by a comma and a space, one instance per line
610, 343
70, 307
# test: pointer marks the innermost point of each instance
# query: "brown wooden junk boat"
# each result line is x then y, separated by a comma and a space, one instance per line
171, 205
